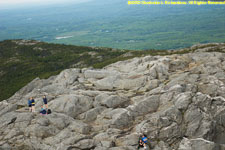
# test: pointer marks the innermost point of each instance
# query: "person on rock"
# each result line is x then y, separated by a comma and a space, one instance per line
45, 101
43, 111
140, 144
144, 140
29, 104
32, 104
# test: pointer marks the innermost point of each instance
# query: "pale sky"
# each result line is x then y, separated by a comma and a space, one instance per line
25, 2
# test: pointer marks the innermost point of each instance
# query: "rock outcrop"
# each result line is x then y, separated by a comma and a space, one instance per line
178, 101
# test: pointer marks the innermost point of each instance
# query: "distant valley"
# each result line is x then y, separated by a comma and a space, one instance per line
116, 24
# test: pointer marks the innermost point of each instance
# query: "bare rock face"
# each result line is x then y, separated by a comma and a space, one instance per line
178, 101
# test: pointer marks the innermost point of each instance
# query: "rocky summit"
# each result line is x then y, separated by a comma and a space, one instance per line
178, 101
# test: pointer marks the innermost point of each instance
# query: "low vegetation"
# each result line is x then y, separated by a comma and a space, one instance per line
23, 60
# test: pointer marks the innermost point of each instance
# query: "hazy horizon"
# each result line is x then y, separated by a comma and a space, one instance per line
8, 4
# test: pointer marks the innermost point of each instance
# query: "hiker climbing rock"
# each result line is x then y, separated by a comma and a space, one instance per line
140, 144
144, 140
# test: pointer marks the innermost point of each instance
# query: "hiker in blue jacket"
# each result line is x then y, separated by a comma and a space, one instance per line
29, 104
45, 101
144, 140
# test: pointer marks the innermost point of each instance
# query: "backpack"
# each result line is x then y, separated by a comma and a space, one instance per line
49, 111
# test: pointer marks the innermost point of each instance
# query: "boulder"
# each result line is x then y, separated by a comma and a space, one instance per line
148, 105
99, 74
113, 101
71, 105
183, 100
198, 144
67, 77
80, 127
6, 107
92, 114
